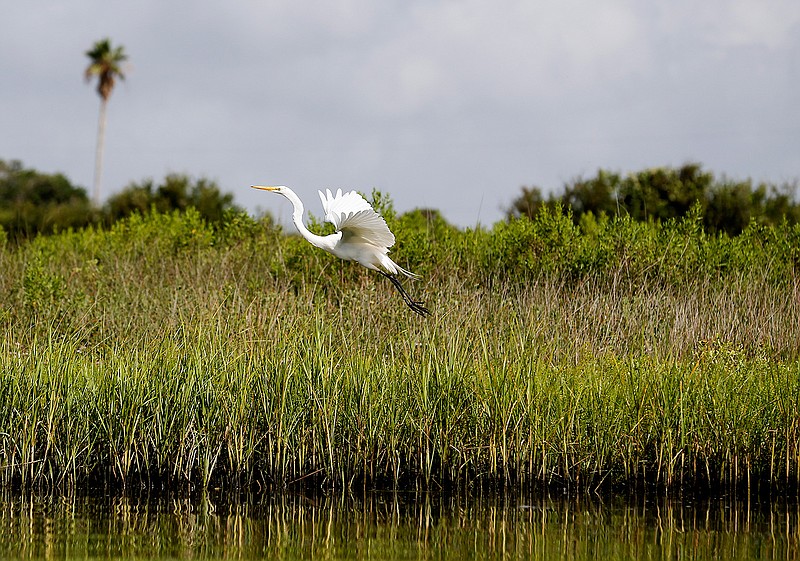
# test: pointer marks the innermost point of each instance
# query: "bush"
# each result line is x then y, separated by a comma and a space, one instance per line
33, 202
663, 194
177, 192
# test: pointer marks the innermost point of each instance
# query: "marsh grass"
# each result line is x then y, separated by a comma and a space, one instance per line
164, 352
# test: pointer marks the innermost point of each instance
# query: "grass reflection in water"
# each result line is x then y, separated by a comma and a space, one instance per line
395, 526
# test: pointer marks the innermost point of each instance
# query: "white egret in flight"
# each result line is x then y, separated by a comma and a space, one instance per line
361, 235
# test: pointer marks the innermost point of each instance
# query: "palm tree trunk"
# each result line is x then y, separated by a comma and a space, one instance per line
98, 159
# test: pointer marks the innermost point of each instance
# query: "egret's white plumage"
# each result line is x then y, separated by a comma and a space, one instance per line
361, 234
349, 212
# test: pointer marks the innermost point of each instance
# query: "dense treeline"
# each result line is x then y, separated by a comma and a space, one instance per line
166, 349
666, 193
32, 202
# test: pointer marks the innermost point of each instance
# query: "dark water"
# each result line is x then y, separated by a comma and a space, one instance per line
394, 526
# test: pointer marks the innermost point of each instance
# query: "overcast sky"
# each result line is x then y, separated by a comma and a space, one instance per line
449, 105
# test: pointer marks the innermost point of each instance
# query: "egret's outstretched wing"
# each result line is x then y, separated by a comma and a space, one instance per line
354, 216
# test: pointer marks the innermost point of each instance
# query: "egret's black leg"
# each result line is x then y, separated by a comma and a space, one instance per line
415, 305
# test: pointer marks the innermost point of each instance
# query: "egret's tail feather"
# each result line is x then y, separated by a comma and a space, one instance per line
409, 274
393, 268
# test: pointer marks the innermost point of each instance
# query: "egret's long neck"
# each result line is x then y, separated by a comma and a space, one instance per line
297, 218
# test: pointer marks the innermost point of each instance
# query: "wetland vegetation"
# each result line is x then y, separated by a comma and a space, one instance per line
168, 350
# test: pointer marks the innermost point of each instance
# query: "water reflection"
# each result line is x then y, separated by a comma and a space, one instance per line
394, 526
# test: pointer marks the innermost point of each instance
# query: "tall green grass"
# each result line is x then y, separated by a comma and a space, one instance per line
611, 353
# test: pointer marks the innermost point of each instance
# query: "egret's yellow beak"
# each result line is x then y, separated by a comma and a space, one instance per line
266, 188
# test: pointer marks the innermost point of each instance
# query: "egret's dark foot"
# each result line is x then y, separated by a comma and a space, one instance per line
416, 305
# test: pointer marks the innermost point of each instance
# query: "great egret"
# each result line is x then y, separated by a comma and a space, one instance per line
361, 235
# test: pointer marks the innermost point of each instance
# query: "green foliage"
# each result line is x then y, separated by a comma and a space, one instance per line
548, 244
42, 287
663, 194
177, 192
625, 250
730, 206
427, 242
169, 232
597, 195
105, 64
527, 204
32, 202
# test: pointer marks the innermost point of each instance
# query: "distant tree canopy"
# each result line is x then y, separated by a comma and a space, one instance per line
32, 202
666, 193
177, 192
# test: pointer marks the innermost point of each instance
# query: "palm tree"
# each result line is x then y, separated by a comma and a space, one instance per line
106, 64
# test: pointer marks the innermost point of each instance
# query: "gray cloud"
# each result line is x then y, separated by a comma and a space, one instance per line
452, 105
